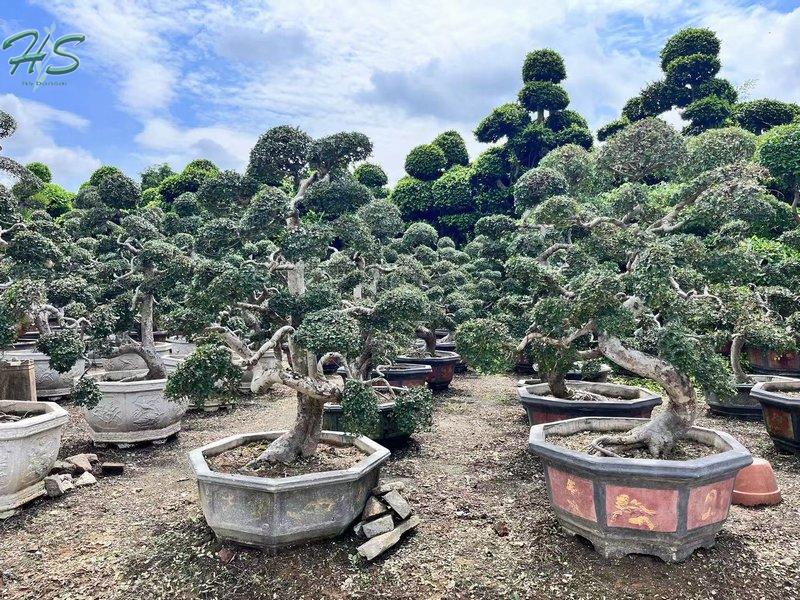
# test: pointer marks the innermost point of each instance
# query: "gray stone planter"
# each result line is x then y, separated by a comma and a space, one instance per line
666, 508
28, 450
132, 412
742, 405
272, 512
49, 382
781, 412
540, 408
180, 346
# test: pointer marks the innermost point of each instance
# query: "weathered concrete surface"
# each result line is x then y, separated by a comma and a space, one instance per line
272, 512
49, 382
28, 449
135, 411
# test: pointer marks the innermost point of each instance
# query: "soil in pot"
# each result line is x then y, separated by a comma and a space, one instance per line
328, 457
685, 450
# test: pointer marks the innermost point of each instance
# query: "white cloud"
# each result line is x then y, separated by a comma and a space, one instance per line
164, 141
227, 71
33, 140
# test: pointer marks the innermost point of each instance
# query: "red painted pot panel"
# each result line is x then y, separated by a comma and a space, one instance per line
642, 508
709, 503
779, 422
573, 494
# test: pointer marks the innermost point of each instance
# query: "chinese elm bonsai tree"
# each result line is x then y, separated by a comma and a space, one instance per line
629, 276
300, 278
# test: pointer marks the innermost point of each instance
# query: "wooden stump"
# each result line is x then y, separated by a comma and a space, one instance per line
17, 380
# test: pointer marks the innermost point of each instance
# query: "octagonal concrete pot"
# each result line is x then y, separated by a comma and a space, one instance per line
49, 382
666, 508
541, 408
781, 412
272, 512
742, 405
442, 367
131, 412
28, 449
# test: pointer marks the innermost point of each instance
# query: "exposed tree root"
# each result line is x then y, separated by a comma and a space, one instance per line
659, 436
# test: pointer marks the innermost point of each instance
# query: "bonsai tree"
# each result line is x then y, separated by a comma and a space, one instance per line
299, 278
690, 62
630, 277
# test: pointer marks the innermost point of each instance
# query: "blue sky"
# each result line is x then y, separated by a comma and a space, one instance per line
170, 81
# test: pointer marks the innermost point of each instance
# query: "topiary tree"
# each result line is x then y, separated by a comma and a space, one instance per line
779, 151
632, 278
690, 62
41, 170
298, 278
374, 177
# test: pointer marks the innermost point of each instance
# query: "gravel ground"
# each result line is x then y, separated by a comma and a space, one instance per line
141, 535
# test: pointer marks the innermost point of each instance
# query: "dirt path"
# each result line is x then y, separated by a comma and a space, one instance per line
141, 535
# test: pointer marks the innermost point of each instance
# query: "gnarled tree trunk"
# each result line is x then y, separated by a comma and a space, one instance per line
737, 343
662, 432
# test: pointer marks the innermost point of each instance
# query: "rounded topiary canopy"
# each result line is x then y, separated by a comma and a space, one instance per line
426, 162
779, 151
544, 65
543, 95
760, 115
452, 192
454, 148
647, 150
687, 42
280, 152
536, 185
371, 175
717, 147
413, 197
504, 121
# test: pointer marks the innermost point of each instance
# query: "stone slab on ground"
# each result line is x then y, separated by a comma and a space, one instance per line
382, 525
83, 462
374, 508
398, 504
85, 479
379, 544
385, 488
57, 485
112, 468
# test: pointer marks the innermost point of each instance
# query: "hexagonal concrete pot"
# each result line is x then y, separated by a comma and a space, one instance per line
742, 405
131, 412
666, 508
781, 412
442, 367
541, 408
49, 382
272, 512
28, 449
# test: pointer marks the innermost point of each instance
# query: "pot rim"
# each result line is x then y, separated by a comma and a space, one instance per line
442, 356
527, 396
53, 416
734, 457
375, 456
127, 386
770, 392
405, 368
